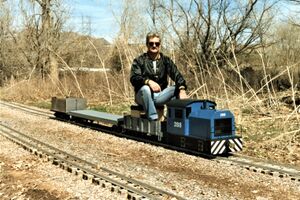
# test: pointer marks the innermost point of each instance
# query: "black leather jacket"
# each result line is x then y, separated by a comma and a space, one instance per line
142, 69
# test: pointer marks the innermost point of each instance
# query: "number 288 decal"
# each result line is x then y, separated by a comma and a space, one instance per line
177, 125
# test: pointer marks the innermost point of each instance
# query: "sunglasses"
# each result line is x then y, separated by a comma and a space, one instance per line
151, 44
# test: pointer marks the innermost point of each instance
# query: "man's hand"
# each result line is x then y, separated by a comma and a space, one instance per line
154, 86
182, 94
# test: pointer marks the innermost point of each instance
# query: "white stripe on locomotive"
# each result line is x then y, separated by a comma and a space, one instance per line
213, 145
222, 150
218, 147
237, 145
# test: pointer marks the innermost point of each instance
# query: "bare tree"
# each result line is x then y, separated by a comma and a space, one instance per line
43, 24
294, 1
5, 28
206, 31
132, 31
294, 20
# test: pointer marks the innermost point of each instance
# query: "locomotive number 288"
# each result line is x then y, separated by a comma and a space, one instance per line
177, 125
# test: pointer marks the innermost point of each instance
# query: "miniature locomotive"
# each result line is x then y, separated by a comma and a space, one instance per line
191, 124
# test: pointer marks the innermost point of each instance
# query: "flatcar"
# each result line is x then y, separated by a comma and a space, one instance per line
190, 124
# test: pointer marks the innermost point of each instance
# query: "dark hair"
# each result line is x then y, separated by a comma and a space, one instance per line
151, 35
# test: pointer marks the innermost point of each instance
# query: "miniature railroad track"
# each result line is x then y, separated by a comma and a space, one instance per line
262, 166
114, 181
27, 109
249, 163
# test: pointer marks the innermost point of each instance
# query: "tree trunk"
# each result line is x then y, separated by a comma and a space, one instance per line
49, 65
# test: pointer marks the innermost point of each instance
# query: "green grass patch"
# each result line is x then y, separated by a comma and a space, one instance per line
247, 111
262, 131
41, 104
116, 109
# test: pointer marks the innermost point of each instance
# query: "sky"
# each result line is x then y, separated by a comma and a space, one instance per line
102, 15
98, 13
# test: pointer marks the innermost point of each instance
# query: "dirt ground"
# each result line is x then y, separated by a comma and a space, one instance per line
24, 176
20, 178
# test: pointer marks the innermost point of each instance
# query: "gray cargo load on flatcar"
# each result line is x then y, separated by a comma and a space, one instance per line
65, 105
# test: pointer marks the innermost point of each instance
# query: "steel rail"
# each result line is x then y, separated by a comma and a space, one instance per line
34, 108
89, 170
27, 109
264, 167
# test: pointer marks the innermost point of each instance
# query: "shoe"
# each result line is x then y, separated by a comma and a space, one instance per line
151, 119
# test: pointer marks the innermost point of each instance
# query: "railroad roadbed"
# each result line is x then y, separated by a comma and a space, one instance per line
184, 175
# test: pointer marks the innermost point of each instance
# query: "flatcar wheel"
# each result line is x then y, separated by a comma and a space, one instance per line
61, 115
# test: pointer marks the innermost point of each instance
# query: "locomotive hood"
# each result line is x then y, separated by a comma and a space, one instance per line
182, 103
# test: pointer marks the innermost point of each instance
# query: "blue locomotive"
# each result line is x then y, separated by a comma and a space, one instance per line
191, 124
209, 130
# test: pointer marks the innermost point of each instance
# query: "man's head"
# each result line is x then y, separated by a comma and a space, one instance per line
153, 42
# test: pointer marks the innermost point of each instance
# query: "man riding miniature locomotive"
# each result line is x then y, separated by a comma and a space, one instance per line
191, 124
149, 77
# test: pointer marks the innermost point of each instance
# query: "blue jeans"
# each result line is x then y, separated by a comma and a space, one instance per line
149, 100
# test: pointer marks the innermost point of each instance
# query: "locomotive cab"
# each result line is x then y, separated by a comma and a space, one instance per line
198, 120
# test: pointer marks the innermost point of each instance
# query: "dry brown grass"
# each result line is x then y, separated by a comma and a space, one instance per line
271, 132
25, 91
89, 85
